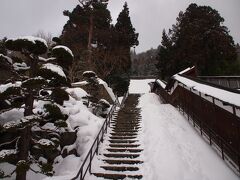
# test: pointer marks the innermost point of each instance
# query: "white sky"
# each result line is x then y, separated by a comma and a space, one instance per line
149, 17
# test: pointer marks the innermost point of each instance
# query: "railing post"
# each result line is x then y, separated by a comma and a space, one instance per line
222, 146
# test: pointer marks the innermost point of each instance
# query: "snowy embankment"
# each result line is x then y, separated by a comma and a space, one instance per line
173, 149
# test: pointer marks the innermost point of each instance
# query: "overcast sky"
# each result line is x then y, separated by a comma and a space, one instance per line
149, 17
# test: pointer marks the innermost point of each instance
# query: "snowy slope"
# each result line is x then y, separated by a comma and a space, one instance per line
173, 149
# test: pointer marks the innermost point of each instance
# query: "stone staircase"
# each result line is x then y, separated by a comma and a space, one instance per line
120, 154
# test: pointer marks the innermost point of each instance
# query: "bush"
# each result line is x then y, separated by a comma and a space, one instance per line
59, 96
53, 113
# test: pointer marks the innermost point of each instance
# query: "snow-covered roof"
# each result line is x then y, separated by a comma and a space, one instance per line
186, 70
221, 94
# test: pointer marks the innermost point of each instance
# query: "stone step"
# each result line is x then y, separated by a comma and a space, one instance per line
124, 150
123, 134
122, 161
120, 168
117, 176
122, 141
126, 127
132, 156
124, 145
123, 137
124, 130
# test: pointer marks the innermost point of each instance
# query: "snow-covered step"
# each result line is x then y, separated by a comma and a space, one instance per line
113, 155
125, 145
122, 161
120, 168
120, 158
117, 176
124, 150
123, 137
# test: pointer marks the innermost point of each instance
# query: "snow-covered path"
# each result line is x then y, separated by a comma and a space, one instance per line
173, 149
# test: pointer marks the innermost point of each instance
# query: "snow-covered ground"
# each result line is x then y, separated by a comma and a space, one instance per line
173, 149
140, 86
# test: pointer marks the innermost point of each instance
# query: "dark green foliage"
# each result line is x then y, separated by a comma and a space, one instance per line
198, 38
59, 96
119, 83
89, 74
127, 35
47, 169
55, 80
53, 113
64, 58
34, 83
3, 49
23, 44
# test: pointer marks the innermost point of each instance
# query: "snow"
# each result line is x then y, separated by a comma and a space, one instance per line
65, 48
81, 83
20, 66
226, 96
140, 86
173, 149
45, 142
87, 126
7, 152
162, 84
7, 58
186, 70
108, 89
55, 68
31, 39
11, 115
4, 87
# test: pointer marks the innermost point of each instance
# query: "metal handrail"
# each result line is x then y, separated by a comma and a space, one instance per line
83, 170
124, 99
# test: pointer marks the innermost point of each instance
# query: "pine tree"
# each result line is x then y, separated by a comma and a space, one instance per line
127, 36
164, 62
32, 76
199, 38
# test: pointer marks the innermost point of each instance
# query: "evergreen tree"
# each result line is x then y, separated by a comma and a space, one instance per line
164, 62
199, 38
32, 76
126, 37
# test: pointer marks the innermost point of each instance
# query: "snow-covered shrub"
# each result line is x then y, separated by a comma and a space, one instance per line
53, 113
59, 95
34, 76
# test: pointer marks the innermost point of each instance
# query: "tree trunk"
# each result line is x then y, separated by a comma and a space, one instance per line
23, 146
90, 35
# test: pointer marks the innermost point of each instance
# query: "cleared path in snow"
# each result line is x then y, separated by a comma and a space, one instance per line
173, 149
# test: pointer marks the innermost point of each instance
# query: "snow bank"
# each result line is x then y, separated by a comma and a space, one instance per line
220, 94
140, 86
108, 89
173, 149
87, 126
